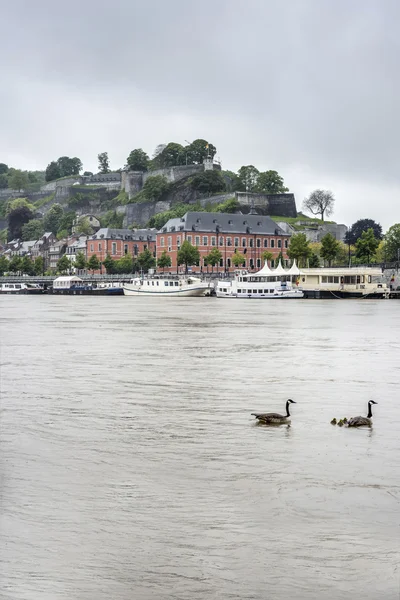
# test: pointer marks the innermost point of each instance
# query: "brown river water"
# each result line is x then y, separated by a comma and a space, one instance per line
131, 467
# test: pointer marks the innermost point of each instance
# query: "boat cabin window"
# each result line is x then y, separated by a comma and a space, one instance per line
171, 284
271, 291
176, 283
239, 291
17, 286
244, 278
255, 291
165, 282
152, 283
369, 279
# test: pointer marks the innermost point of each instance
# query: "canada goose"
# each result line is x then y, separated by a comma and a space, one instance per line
360, 421
274, 418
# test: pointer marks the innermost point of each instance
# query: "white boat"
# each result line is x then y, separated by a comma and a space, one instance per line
20, 288
166, 286
265, 284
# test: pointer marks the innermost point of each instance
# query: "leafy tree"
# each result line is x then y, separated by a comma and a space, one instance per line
232, 181
164, 261
270, 182
27, 265
109, 265
52, 220
18, 180
15, 264
366, 245
125, 264
138, 160
63, 264
146, 260
320, 202
229, 206
267, 256
88, 174
83, 226
155, 186
63, 167
238, 259
104, 163
4, 265
355, 231
208, 182
279, 258
69, 166
53, 171
93, 264
392, 242
313, 261
329, 248
3, 181
171, 155
299, 248
198, 150
66, 222
188, 255
213, 258
39, 265
19, 212
3, 168
80, 261
248, 177
32, 230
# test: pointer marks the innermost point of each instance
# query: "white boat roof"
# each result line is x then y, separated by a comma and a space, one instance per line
68, 278
342, 271
265, 270
294, 269
279, 270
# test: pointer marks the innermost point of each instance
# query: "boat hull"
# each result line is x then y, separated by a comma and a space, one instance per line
185, 292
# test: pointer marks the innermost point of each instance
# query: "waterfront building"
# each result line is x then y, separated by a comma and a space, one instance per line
56, 251
42, 246
249, 235
119, 242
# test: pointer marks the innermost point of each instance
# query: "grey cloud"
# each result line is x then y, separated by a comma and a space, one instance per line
309, 87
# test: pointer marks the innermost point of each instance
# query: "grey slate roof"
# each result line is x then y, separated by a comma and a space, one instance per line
104, 177
208, 222
124, 234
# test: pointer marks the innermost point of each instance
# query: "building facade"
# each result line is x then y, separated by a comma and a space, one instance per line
250, 235
119, 242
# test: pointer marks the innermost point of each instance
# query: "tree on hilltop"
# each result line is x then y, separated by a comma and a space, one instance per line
63, 167
3, 168
137, 160
171, 155
208, 182
248, 177
18, 180
104, 163
198, 150
270, 182
320, 202
155, 186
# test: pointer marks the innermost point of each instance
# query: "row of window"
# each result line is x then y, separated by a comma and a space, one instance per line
114, 248
213, 241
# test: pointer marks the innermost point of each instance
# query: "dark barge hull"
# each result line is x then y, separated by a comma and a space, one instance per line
88, 292
341, 294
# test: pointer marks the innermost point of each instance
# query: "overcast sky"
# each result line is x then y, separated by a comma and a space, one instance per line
307, 87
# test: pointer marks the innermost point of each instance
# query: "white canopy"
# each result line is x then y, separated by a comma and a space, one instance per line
265, 270
279, 270
70, 278
294, 269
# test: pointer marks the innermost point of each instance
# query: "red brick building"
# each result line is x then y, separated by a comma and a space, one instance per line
250, 235
118, 242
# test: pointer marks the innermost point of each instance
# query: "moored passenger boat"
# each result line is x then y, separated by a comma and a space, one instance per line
265, 284
166, 286
343, 282
21, 288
